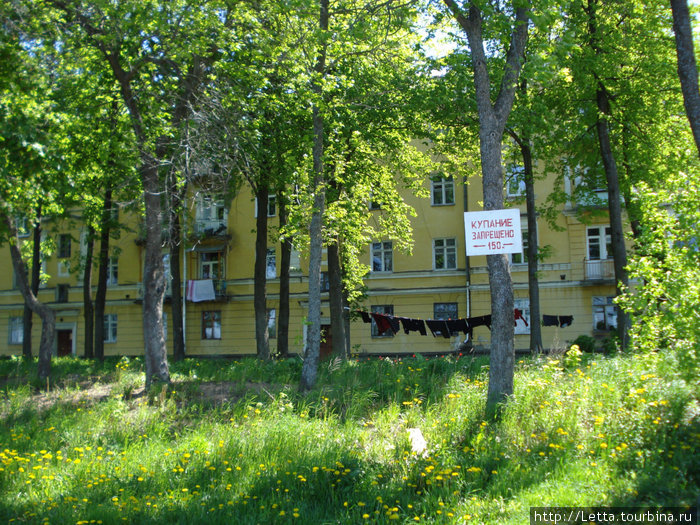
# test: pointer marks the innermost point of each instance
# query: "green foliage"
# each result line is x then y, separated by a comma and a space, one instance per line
609, 431
586, 343
666, 266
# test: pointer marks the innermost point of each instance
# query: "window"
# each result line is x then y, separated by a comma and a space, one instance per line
113, 271
295, 261
445, 311
211, 217
444, 254
325, 282
22, 226
599, 242
16, 336
110, 324
64, 242
374, 204
604, 314
271, 205
381, 309
442, 190
521, 257
524, 306
272, 323
211, 324
515, 181
210, 265
382, 258
62, 293
271, 264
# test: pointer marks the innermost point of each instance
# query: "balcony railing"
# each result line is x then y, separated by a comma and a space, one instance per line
209, 227
599, 269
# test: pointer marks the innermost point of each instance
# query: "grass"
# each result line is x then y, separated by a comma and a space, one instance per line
579, 431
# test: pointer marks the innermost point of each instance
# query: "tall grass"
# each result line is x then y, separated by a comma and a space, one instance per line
580, 430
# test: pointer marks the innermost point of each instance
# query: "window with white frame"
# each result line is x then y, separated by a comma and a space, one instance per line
445, 254
110, 328
295, 261
271, 205
521, 256
271, 323
64, 246
522, 327
515, 180
382, 257
386, 309
210, 265
604, 314
271, 263
211, 324
16, 331
113, 271
442, 190
599, 242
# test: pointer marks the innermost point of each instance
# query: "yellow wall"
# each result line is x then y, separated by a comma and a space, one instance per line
412, 288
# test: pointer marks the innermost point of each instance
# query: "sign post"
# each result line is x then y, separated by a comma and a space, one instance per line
493, 232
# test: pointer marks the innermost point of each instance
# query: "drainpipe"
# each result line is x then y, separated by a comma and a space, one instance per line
184, 281
468, 266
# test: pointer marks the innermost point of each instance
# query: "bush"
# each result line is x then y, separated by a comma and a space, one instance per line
585, 342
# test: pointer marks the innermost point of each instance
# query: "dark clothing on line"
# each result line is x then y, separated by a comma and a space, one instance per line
413, 325
438, 327
365, 317
550, 320
457, 325
482, 320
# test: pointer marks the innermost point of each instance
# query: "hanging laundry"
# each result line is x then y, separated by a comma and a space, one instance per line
365, 317
482, 320
413, 325
385, 323
438, 327
457, 325
200, 290
550, 320
565, 320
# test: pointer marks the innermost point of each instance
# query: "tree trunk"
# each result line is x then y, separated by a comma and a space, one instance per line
687, 67
175, 274
312, 352
36, 279
285, 260
88, 314
532, 249
492, 120
612, 177
101, 293
48, 317
262, 335
156, 358
337, 302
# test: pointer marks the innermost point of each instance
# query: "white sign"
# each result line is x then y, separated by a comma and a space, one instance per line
492, 232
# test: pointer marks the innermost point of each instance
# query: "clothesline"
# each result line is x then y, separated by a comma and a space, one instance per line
448, 327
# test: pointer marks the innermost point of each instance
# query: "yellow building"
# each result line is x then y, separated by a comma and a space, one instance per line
435, 282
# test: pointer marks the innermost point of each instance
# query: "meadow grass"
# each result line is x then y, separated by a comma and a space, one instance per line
579, 431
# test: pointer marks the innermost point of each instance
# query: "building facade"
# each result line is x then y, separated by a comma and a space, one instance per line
436, 281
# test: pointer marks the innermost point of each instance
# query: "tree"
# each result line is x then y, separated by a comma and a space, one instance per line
153, 67
492, 121
687, 67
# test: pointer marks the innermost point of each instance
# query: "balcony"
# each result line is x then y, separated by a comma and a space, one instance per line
202, 290
205, 228
599, 270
